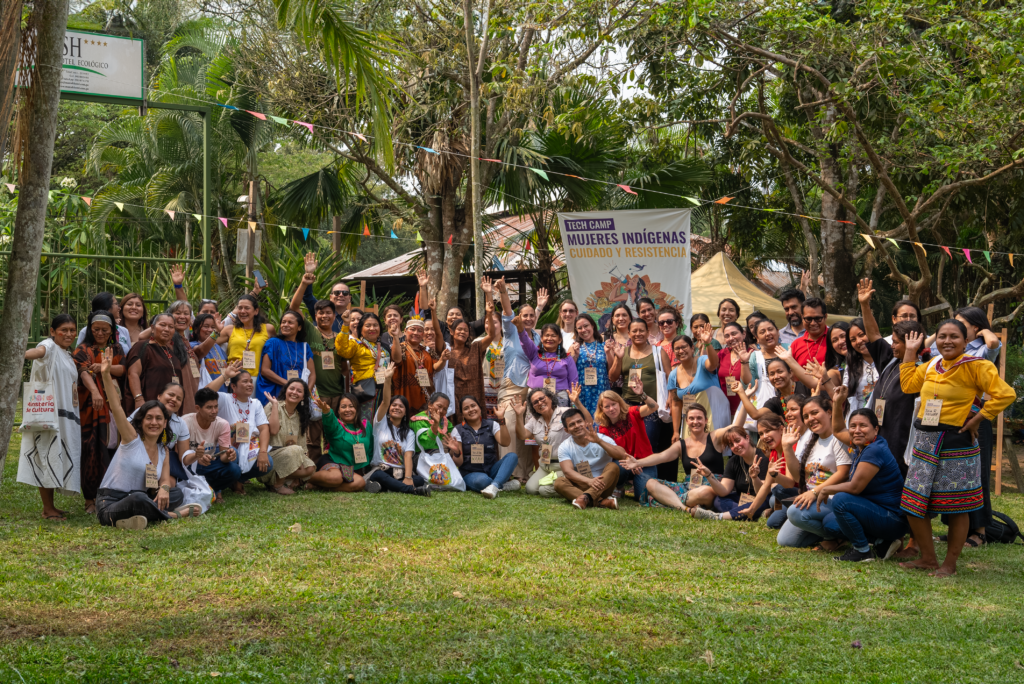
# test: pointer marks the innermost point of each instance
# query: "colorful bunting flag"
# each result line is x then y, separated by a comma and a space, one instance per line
529, 246
627, 189
223, 220
198, 217
691, 200
226, 106
967, 253
87, 200
724, 200
868, 239
496, 161
393, 236
361, 137
169, 212
1011, 259
252, 226
284, 230
279, 120
450, 237
307, 125
305, 233
894, 243
366, 229
427, 149
540, 173
948, 253
10, 187
988, 256
261, 117
119, 205
419, 238
920, 245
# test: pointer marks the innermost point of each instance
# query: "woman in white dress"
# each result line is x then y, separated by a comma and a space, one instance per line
50, 459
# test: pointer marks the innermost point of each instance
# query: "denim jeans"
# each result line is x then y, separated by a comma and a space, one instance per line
498, 474
639, 481
389, 484
113, 505
778, 518
731, 504
220, 475
804, 527
863, 521
255, 471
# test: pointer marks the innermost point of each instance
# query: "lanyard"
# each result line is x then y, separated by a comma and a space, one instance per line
251, 335
248, 407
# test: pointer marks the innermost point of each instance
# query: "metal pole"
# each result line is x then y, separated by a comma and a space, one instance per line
207, 246
250, 252
336, 234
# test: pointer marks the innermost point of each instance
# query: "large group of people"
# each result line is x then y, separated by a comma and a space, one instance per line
832, 434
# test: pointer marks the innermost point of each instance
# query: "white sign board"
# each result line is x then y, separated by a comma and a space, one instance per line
622, 256
98, 64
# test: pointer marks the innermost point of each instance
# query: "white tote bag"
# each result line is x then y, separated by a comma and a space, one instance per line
440, 471
664, 412
39, 406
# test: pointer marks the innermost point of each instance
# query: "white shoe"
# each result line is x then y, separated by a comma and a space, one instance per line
512, 485
489, 492
705, 514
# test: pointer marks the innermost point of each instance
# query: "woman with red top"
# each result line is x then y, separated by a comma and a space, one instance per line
625, 424
733, 358
770, 428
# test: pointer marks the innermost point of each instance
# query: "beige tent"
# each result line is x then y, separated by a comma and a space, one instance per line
719, 278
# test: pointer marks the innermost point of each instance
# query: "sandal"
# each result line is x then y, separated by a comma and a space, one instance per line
975, 540
90, 509
58, 517
192, 510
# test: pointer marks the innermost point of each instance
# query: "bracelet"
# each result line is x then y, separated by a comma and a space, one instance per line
138, 395
166, 488
178, 287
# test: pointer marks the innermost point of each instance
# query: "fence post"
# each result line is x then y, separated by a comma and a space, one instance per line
999, 421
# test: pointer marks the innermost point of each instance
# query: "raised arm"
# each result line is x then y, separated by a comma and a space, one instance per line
385, 396
864, 294
911, 374
839, 430
796, 369
574, 396
273, 419
718, 435
178, 279
506, 303
308, 278
230, 371
125, 428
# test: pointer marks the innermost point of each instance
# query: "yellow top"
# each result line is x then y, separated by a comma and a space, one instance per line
242, 339
963, 380
361, 357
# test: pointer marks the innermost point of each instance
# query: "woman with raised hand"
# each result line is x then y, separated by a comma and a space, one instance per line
823, 461
734, 492
945, 473
467, 356
699, 322
431, 427
343, 467
647, 363
830, 374
567, 314
543, 428
733, 363
212, 363
188, 357
618, 337
133, 316
865, 506
860, 375
768, 348
626, 426
414, 377
783, 386
246, 335
286, 357
728, 312
289, 425
92, 403
550, 367
138, 487
394, 455
152, 364
700, 446
695, 377
367, 355
593, 358
51, 459
475, 451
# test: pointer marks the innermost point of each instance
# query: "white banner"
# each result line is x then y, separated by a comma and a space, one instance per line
98, 64
622, 256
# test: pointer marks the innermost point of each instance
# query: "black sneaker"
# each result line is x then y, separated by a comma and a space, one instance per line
887, 548
372, 487
856, 556
423, 490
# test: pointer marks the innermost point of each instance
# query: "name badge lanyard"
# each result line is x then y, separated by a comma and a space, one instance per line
549, 365
170, 359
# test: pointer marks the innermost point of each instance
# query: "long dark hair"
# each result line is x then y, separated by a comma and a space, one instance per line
362, 321
975, 316
89, 339
825, 404
611, 317
553, 327
258, 321
197, 325
140, 414
589, 319
834, 359
302, 408
403, 425
748, 336
300, 333
143, 322
855, 363
731, 301
355, 402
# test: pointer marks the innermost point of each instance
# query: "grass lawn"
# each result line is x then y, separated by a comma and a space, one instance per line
456, 588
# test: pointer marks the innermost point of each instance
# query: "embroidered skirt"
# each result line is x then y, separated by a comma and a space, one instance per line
944, 475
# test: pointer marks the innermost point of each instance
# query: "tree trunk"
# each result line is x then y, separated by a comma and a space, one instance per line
49, 19
837, 248
474, 160
10, 41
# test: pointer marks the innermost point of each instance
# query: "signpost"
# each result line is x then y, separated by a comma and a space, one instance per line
98, 64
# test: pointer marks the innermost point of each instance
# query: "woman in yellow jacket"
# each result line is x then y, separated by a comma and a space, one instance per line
945, 472
366, 355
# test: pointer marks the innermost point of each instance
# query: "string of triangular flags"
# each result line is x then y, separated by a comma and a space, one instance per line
875, 242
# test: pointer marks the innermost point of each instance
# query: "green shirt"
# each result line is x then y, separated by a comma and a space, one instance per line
343, 437
425, 439
329, 383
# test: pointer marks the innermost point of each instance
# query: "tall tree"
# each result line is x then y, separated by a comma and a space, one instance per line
39, 128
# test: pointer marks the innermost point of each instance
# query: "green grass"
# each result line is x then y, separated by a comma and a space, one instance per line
456, 588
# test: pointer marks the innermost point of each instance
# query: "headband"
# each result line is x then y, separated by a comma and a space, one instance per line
103, 318
415, 322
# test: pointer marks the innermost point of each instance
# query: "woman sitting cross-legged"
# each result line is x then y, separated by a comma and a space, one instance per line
735, 491
475, 450
866, 507
342, 468
625, 425
289, 426
395, 443
697, 447
138, 488
823, 461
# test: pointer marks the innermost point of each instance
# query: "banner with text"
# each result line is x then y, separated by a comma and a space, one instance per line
99, 64
623, 256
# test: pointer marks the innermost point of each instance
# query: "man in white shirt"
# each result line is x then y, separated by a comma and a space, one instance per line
589, 462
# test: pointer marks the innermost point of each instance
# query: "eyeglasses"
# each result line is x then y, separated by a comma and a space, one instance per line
538, 401
341, 293
208, 301
668, 322
813, 319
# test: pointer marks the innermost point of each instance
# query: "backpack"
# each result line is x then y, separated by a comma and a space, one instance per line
1002, 529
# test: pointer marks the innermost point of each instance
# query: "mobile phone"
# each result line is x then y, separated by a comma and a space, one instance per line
260, 280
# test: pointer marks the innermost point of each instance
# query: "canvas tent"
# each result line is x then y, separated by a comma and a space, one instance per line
719, 278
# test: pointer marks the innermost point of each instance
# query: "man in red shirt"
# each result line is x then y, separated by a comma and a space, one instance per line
813, 343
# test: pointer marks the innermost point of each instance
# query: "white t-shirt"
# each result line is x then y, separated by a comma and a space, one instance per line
568, 338
597, 457
495, 429
825, 457
556, 435
389, 448
127, 470
234, 411
860, 394
178, 428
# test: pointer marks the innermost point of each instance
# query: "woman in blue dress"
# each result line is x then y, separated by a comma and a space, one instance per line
590, 352
695, 379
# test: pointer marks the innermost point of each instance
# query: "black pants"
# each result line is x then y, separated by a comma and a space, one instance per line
390, 484
113, 505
